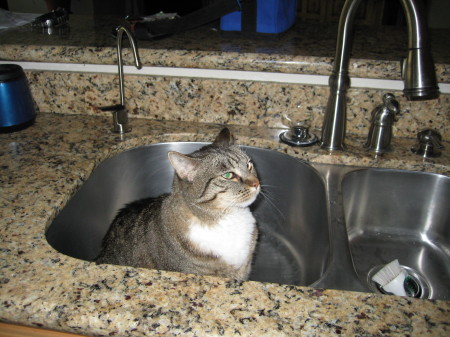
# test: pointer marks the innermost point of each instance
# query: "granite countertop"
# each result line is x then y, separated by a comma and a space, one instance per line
42, 166
307, 48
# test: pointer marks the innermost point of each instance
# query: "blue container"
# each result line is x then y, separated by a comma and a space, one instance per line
272, 16
16, 103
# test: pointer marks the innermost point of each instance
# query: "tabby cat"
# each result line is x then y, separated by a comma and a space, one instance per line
204, 226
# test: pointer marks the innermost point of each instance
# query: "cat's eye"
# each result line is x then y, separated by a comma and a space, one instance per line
229, 175
250, 166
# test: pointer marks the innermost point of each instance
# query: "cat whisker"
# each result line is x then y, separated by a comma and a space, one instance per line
270, 186
157, 171
270, 201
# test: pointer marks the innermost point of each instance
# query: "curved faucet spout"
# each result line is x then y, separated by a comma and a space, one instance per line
418, 70
120, 30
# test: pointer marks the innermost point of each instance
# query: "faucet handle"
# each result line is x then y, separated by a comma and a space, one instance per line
429, 143
120, 118
386, 113
115, 107
391, 103
120, 121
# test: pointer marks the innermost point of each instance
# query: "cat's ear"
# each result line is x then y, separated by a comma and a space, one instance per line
224, 138
185, 167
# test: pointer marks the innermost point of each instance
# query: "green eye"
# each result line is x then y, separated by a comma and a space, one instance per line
229, 175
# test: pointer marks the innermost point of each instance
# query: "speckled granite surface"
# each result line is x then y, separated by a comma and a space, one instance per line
231, 102
307, 49
43, 165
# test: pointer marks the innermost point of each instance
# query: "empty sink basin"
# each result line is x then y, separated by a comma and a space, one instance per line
291, 211
393, 214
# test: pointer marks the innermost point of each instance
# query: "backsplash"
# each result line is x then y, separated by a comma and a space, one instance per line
227, 101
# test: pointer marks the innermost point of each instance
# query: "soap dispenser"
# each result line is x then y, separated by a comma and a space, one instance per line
380, 132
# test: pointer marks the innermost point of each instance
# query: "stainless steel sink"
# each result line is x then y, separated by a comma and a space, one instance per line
402, 215
292, 213
324, 226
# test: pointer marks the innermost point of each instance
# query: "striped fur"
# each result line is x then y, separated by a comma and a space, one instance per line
204, 226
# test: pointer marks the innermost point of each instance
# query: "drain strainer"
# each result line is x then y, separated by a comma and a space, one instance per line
416, 285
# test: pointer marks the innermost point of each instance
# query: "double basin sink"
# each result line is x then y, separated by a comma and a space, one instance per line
325, 226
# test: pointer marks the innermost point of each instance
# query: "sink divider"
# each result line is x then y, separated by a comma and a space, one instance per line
340, 273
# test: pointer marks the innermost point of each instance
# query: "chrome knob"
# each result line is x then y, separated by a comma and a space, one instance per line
429, 144
298, 135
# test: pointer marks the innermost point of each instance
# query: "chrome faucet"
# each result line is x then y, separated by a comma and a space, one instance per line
137, 61
418, 70
380, 131
120, 113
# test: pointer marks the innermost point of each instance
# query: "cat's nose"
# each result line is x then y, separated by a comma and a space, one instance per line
253, 182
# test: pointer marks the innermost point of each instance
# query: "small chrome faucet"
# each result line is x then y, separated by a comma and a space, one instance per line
418, 70
120, 113
380, 132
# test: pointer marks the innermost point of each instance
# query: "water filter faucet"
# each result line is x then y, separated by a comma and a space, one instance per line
120, 113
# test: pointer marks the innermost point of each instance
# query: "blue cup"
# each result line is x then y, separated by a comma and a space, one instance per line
17, 109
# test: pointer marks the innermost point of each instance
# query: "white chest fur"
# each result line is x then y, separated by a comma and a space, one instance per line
230, 239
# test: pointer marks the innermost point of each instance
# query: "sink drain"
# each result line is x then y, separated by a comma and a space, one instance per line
416, 285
